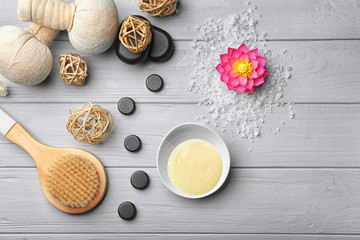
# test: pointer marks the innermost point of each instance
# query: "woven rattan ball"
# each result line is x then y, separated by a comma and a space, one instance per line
135, 34
73, 69
90, 124
158, 7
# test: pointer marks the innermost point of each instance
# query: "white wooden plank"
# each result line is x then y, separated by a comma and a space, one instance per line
319, 136
253, 201
281, 19
323, 71
177, 236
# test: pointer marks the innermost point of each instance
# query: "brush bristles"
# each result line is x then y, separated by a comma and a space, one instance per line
72, 181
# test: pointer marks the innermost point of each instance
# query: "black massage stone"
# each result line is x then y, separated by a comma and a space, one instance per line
127, 210
162, 47
154, 83
132, 143
126, 106
126, 55
139, 180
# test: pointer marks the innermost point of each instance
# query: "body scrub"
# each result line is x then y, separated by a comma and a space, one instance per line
195, 167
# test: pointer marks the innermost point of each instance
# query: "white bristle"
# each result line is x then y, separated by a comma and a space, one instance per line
6, 123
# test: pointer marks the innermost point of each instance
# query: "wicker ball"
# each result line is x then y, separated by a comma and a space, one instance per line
90, 124
73, 69
135, 34
158, 7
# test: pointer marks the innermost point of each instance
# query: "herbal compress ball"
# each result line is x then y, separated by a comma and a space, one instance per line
24, 54
92, 24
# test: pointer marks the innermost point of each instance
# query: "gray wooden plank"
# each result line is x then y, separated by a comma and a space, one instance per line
323, 71
177, 236
319, 136
311, 201
281, 19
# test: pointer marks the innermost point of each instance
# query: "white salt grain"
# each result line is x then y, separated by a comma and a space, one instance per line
3, 89
240, 114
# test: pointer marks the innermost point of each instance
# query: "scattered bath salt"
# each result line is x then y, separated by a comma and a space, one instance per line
3, 89
291, 115
238, 114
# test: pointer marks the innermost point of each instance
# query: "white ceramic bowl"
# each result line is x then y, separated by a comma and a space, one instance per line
182, 133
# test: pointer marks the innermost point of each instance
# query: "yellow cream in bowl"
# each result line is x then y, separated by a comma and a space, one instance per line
195, 167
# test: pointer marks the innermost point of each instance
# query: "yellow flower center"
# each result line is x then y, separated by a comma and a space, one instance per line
242, 68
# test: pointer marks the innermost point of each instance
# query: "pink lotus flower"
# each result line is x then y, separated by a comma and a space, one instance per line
241, 69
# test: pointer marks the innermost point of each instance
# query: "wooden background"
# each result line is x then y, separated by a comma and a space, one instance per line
303, 183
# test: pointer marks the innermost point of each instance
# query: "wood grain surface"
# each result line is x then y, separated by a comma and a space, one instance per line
320, 135
253, 201
162, 236
280, 19
302, 183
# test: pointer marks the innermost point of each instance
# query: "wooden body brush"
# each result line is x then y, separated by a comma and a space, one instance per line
73, 180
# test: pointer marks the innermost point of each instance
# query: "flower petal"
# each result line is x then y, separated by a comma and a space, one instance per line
240, 89
224, 58
243, 56
243, 80
243, 48
258, 81
230, 87
224, 78
254, 74
250, 83
254, 64
250, 90
219, 68
232, 60
230, 50
232, 74
261, 60
260, 71
227, 67
234, 82
265, 73
236, 53
253, 54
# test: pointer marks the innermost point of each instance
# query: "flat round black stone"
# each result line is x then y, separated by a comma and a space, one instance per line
162, 45
126, 106
127, 210
132, 143
139, 180
154, 83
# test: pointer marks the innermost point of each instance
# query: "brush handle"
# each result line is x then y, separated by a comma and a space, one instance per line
13, 131
6, 123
